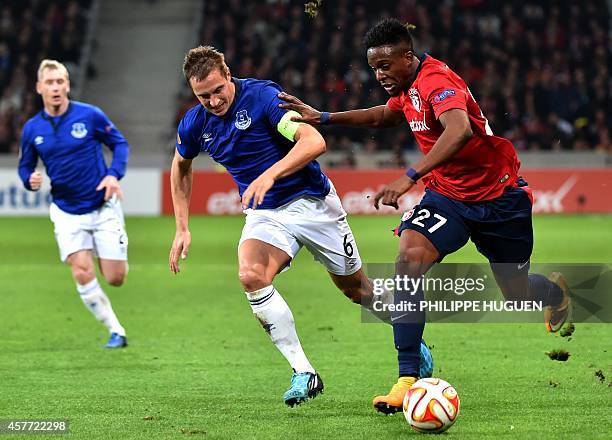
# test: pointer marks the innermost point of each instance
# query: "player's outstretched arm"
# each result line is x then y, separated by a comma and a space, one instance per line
181, 178
309, 145
374, 117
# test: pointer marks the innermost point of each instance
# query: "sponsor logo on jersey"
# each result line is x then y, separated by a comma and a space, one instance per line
79, 131
243, 120
418, 125
443, 95
415, 99
39, 140
207, 137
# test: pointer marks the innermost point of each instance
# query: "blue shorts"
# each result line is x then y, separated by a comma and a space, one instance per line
501, 228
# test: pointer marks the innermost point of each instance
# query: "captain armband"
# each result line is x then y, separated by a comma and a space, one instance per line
287, 127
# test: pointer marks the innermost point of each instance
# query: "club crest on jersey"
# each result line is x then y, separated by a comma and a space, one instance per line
415, 98
39, 140
243, 120
79, 130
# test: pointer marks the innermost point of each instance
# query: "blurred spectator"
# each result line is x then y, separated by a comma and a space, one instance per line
540, 78
31, 30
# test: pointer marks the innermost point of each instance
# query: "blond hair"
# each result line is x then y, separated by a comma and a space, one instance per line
201, 61
52, 65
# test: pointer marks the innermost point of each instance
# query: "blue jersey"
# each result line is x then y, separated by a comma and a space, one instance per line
246, 142
70, 146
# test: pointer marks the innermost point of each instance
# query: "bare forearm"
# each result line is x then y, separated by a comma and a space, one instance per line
181, 179
447, 145
368, 117
304, 151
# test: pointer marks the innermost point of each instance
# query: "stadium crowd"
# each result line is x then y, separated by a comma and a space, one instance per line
539, 69
31, 30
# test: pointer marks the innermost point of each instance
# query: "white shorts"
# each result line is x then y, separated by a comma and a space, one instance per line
101, 231
318, 224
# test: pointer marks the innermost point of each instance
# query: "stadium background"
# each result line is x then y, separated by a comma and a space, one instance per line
541, 73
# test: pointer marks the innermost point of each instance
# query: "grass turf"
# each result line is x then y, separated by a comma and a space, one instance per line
200, 366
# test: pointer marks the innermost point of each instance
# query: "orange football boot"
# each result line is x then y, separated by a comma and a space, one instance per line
392, 402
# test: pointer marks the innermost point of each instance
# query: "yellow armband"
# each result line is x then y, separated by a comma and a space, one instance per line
287, 127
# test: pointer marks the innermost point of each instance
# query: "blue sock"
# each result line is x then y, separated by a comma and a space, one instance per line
407, 334
407, 338
544, 290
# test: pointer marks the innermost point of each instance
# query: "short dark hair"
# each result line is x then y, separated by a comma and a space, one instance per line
201, 61
389, 31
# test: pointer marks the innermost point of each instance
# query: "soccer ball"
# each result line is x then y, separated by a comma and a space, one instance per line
431, 405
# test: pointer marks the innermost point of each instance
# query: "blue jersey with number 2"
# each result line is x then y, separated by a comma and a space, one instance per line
70, 146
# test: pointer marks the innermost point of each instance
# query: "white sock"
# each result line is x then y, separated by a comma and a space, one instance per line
98, 303
276, 318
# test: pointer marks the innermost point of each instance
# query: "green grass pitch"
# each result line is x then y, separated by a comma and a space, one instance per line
200, 366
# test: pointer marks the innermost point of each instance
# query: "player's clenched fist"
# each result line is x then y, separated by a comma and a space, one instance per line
35, 180
180, 248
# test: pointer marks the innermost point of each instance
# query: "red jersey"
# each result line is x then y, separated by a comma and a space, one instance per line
485, 165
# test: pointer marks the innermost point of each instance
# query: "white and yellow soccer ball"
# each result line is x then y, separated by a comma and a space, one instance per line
431, 405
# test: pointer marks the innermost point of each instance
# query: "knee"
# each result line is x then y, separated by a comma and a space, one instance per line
411, 255
115, 274
83, 274
354, 293
414, 261
253, 277
116, 279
